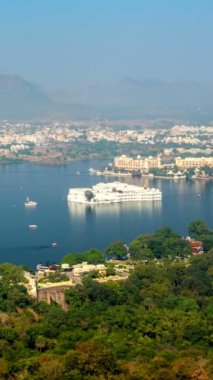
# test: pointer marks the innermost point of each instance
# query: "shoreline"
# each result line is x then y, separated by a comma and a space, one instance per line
99, 172
149, 176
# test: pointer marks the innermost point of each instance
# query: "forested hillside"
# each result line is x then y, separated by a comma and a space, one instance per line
157, 325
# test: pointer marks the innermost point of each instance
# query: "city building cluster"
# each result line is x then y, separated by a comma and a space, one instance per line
40, 141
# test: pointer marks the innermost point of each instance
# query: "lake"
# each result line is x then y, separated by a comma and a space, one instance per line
75, 227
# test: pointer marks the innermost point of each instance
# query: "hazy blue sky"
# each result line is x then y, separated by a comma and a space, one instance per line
60, 42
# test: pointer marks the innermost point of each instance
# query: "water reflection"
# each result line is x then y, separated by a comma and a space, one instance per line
77, 210
181, 186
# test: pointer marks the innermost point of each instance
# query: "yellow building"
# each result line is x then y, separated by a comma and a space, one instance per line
193, 162
138, 164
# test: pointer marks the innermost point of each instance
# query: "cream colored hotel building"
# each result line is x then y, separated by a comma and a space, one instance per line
193, 162
137, 164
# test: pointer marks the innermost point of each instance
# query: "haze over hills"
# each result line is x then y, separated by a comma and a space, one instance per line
127, 98
21, 99
148, 92
24, 100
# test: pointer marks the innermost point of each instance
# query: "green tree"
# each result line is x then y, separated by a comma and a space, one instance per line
116, 250
41, 343
93, 256
166, 232
139, 248
3, 368
89, 195
51, 367
75, 296
73, 259
198, 228
207, 241
110, 269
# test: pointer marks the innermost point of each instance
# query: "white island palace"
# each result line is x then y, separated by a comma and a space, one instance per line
113, 192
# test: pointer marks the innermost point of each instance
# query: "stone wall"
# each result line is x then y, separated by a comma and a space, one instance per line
53, 294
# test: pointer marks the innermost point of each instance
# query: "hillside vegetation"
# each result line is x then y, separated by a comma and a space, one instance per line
157, 325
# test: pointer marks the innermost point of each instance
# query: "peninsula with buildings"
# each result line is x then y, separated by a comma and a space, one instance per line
179, 168
116, 263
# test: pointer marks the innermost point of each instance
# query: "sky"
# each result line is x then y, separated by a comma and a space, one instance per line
62, 43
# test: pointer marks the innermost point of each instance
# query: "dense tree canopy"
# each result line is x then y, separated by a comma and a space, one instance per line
200, 231
163, 243
157, 325
198, 228
93, 256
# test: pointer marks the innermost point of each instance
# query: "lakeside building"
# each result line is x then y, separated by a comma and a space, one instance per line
84, 268
137, 164
193, 162
196, 246
113, 192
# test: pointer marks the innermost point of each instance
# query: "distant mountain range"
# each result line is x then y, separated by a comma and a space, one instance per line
128, 98
21, 99
146, 93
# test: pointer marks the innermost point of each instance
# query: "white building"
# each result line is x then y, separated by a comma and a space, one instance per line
113, 192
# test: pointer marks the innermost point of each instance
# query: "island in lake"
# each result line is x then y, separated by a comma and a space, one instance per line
113, 192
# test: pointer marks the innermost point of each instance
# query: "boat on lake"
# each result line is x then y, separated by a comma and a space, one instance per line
29, 203
54, 245
33, 226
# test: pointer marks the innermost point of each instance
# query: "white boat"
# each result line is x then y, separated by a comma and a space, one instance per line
29, 203
33, 226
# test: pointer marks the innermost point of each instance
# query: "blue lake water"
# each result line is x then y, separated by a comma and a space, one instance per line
77, 228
